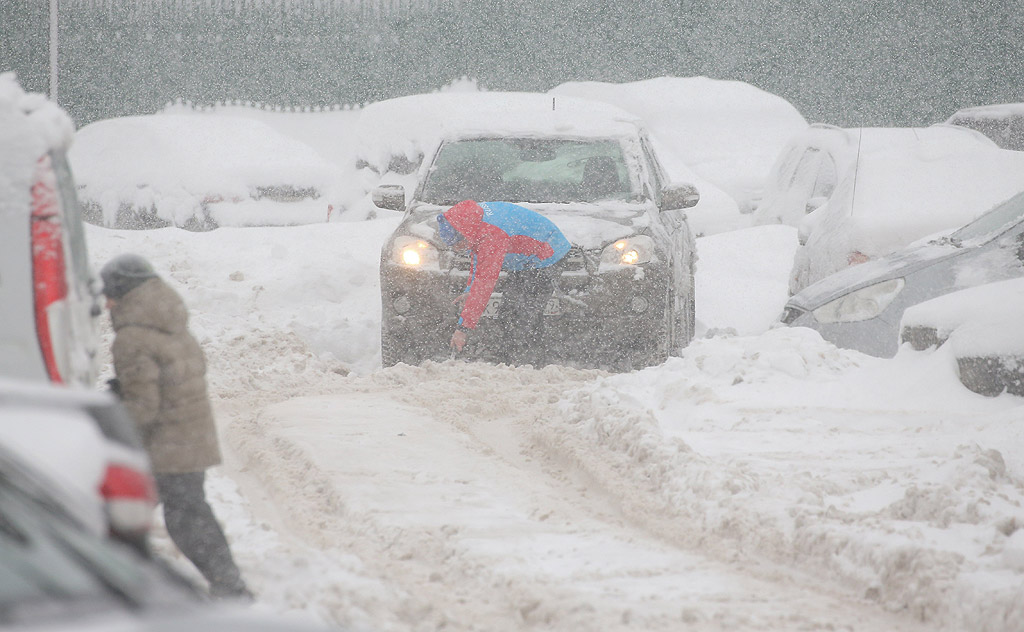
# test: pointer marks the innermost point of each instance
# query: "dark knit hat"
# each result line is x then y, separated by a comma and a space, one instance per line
124, 273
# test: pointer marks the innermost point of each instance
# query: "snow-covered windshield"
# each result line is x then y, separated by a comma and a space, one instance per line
993, 222
528, 170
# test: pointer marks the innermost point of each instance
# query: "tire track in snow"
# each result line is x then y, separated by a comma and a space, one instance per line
509, 427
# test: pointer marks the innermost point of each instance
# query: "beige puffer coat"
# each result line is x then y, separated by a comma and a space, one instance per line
162, 371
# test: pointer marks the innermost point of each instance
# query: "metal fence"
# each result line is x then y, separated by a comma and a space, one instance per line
871, 62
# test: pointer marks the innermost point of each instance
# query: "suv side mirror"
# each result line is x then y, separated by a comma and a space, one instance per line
389, 196
679, 196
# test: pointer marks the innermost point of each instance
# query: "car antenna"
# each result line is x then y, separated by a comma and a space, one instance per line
856, 172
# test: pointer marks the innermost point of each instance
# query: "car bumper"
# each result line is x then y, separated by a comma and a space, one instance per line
877, 336
593, 319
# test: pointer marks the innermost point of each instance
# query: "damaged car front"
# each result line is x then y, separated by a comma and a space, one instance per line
623, 294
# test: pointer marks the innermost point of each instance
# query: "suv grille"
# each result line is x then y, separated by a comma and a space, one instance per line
574, 261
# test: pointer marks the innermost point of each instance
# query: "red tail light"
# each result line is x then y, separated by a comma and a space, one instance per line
130, 497
48, 271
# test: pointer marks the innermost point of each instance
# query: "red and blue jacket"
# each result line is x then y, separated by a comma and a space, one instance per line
502, 235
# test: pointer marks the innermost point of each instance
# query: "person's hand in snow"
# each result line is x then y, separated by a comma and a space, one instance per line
459, 340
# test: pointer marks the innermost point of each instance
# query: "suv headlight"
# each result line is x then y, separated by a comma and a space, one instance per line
630, 251
414, 252
863, 304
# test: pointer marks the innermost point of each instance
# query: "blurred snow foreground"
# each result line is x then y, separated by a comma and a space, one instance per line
763, 481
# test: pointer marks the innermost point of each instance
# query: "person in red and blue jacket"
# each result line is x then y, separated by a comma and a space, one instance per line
504, 236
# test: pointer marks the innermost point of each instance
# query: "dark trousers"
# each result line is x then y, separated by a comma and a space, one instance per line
195, 531
521, 313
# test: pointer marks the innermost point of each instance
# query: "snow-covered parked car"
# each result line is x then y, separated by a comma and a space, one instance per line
625, 292
860, 307
982, 326
903, 185
728, 133
805, 174
197, 171
49, 297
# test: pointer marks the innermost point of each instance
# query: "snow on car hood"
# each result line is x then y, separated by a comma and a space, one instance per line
589, 226
982, 320
856, 277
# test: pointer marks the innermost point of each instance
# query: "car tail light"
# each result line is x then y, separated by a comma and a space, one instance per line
130, 497
856, 257
49, 282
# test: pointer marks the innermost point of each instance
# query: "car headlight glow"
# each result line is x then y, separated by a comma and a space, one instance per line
413, 252
630, 251
863, 304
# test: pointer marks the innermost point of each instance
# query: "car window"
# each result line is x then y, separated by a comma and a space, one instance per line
654, 168
994, 222
528, 170
72, 217
807, 166
828, 178
786, 171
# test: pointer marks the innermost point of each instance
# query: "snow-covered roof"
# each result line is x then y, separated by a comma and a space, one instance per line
712, 121
30, 126
992, 111
901, 194
728, 132
46, 120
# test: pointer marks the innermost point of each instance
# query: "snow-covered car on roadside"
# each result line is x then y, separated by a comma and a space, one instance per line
625, 291
805, 174
49, 297
861, 307
983, 327
197, 171
726, 132
85, 440
1002, 122
903, 186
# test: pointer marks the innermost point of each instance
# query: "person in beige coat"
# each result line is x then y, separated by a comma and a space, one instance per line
161, 371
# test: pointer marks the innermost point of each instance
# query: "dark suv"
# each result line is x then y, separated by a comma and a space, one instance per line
624, 295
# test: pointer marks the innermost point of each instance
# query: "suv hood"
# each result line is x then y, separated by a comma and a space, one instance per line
589, 226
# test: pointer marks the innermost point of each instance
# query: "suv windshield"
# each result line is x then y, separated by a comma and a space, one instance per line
528, 170
993, 222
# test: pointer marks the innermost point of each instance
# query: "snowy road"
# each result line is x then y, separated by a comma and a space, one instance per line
474, 448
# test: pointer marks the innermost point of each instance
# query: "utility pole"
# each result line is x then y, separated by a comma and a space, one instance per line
53, 50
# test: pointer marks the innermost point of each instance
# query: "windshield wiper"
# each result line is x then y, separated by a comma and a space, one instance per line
949, 240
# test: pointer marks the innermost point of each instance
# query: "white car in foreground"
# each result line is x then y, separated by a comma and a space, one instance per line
86, 441
982, 327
